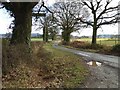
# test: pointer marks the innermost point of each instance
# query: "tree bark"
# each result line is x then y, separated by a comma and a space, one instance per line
22, 30
94, 35
45, 34
66, 36
94, 29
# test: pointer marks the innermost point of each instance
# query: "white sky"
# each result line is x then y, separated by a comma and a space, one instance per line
5, 21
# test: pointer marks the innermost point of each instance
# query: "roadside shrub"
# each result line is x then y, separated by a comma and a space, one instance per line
96, 46
65, 43
85, 45
116, 48
12, 56
23, 69
15, 55
78, 44
39, 52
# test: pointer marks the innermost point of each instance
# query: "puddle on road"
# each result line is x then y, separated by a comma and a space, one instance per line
94, 63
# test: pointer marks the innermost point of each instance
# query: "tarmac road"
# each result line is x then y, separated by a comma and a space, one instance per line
103, 75
106, 59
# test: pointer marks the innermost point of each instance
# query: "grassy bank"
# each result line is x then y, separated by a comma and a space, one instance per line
48, 67
85, 46
68, 66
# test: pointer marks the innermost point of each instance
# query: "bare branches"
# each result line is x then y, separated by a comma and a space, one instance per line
67, 14
43, 5
106, 10
100, 15
85, 3
109, 17
107, 22
86, 22
39, 14
98, 4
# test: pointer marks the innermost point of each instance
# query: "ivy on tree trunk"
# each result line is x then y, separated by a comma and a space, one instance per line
22, 29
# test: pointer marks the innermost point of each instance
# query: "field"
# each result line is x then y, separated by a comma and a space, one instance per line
101, 41
38, 39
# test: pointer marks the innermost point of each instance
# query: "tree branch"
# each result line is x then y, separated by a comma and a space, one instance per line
98, 5
88, 23
103, 11
109, 17
87, 5
107, 22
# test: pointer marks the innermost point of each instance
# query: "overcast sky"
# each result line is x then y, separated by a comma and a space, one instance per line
5, 21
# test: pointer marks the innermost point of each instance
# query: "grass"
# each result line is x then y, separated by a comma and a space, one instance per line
38, 39
46, 67
85, 46
69, 66
102, 41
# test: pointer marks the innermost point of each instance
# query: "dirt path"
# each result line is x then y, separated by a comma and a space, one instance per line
104, 69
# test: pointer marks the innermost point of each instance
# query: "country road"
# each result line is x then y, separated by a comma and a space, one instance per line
106, 59
104, 74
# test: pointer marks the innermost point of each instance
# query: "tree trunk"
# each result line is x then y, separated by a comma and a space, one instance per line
22, 30
94, 36
45, 34
66, 36
94, 29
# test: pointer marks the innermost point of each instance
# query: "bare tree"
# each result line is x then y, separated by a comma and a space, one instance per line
102, 14
66, 15
48, 25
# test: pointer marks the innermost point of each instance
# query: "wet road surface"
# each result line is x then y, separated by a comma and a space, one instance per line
103, 68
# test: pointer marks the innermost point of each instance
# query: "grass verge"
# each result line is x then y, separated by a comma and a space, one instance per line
87, 47
46, 68
68, 66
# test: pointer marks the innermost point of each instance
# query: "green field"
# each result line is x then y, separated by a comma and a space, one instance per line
102, 41
38, 39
